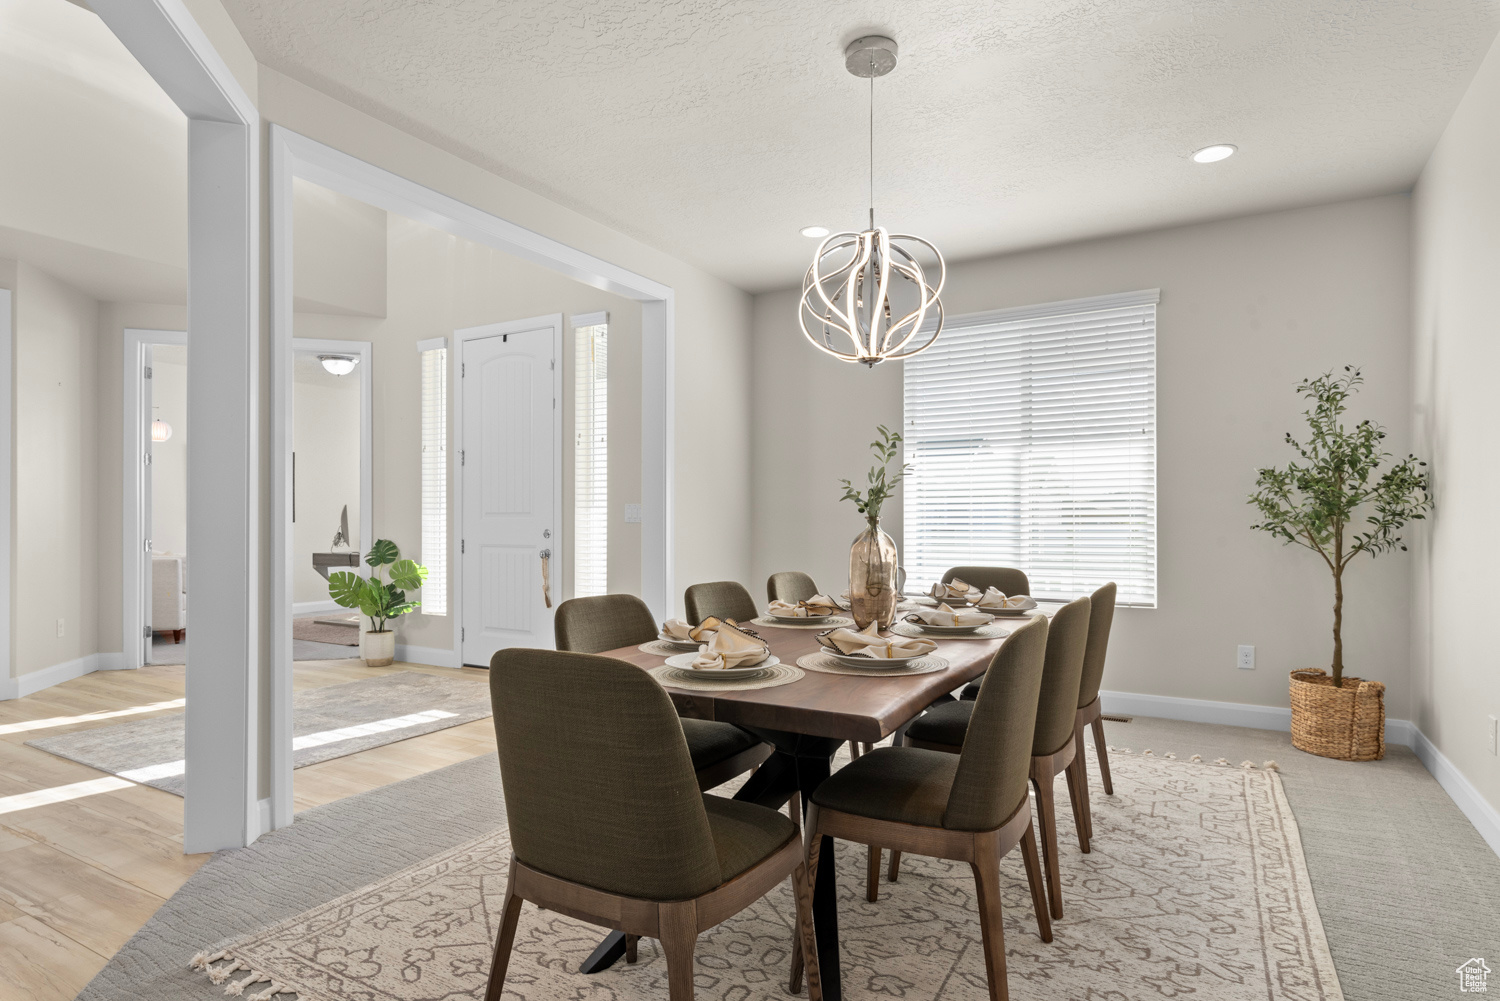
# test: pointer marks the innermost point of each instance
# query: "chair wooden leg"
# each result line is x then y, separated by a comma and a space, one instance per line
1102, 748
1047, 818
1078, 796
631, 941
1081, 761
1035, 880
986, 867
678, 922
814, 843
872, 876
794, 808
854, 750
806, 943
895, 869
510, 912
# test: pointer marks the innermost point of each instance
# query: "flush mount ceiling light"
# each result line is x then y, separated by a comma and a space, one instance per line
338, 364
866, 296
817, 232
1213, 154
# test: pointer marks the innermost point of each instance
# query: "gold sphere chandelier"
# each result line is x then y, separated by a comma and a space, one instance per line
866, 296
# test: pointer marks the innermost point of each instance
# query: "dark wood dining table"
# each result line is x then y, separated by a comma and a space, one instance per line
807, 721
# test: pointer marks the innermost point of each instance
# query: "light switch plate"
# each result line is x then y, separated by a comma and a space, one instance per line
632, 514
1245, 659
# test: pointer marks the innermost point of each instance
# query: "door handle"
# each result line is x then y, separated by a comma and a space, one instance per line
546, 555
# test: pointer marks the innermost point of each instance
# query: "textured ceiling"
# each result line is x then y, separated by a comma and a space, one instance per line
715, 130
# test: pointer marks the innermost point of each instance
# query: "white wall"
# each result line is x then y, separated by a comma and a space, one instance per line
168, 458
1249, 307
1456, 686
326, 440
56, 473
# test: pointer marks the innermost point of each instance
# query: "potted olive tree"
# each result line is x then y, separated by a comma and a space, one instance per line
1336, 501
382, 600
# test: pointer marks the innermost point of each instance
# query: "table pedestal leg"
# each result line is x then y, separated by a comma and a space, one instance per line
607, 953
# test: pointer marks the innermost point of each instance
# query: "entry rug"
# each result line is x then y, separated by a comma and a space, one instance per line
327, 722
1196, 887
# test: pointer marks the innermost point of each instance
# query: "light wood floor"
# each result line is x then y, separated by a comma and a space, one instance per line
78, 878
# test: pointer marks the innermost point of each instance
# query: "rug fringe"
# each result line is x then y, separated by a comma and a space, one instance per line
219, 974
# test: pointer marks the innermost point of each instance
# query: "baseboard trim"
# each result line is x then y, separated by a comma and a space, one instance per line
432, 656
314, 607
35, 681
1484, 817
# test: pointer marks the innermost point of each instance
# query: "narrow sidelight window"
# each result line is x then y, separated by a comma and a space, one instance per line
434, 355
591, 455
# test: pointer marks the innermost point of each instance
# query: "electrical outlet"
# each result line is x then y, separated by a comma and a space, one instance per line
60, 629
632, 514
1245, 660
1494, 734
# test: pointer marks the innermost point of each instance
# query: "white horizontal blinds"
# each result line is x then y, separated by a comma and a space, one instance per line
591, 457
1032, 439
435, 476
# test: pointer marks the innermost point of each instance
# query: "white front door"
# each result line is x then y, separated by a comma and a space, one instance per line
508, 466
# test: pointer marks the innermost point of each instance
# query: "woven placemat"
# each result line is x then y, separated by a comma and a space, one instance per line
693, 681
827, 665
662, 648
989, 632
832, 622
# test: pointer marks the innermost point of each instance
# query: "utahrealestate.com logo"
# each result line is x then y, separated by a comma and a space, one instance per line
1473, 977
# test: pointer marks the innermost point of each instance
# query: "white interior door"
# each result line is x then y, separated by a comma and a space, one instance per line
508, 465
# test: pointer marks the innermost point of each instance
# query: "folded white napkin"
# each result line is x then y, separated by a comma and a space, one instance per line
954, 590
868, 642
943, 615
730, 647
994, 599
677, 629
818, 604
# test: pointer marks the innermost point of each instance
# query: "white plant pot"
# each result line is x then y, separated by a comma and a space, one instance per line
378, 648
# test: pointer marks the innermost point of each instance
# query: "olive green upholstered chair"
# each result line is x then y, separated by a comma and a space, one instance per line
1090, 714
790, 586
1053, 747
720, 751
970, 807
606, 821
724, 599
1007, 579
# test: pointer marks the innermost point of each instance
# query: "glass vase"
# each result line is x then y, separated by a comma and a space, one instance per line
873, 586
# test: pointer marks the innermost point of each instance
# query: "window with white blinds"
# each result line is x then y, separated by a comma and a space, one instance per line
1032, 438
591, 455
434, 356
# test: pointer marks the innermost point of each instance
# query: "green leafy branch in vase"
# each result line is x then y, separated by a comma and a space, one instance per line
1314, 503
382, 600
881, 483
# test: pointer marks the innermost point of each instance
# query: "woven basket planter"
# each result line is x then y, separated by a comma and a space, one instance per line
1347, 722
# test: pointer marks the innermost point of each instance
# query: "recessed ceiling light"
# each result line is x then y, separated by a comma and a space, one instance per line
1210, 154
816, 232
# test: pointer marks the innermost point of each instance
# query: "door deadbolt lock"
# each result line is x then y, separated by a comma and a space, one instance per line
546, 533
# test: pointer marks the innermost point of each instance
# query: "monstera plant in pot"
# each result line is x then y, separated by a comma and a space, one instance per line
1336, 501
874, 585
380, 598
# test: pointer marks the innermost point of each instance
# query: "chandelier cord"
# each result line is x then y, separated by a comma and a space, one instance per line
872, 141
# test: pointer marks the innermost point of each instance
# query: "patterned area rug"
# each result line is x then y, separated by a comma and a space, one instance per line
327, 722
1196, 887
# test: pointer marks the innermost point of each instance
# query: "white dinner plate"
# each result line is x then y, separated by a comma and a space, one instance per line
947, 630
679, 644
1010, 613
685, 662
872, 663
